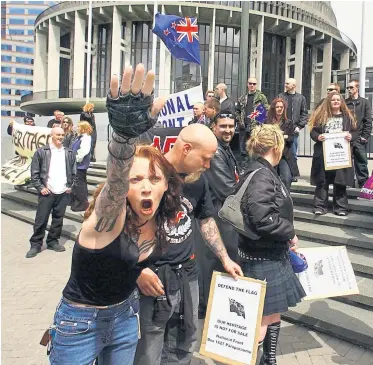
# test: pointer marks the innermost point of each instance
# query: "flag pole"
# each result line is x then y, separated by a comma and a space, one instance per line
154, 49
362, 61
89, 52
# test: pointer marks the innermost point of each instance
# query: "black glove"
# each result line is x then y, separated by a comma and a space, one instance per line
129, 115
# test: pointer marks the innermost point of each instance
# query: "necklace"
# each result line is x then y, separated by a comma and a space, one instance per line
142, 225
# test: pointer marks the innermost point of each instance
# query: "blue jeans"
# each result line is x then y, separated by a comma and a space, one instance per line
81, 334
164, 343
294, 146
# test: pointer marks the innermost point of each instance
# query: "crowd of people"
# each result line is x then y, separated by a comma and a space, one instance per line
140, 274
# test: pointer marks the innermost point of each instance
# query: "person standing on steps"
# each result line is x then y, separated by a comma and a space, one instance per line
53, 174
363, 114
88, 116
170, 292
333, 116
244, 108
296, 112
332, 88
226, 104
68, 127
57, 120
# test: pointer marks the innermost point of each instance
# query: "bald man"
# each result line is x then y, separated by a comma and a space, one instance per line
226, 104
53, 173
198, 116
297, 111
169, 321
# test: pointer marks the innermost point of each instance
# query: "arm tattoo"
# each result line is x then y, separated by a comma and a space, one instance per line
112, 199
146, 245
211, 234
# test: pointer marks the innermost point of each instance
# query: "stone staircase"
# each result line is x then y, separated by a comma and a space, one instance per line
349, 318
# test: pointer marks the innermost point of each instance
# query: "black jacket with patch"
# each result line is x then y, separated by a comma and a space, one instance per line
363, 114
300, 112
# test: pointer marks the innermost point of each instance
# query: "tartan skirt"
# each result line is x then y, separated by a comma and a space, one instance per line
284, 290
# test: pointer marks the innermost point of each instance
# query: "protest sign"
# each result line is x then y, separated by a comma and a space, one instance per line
329, 273
26, 140
178, 110
337, 151
233, 319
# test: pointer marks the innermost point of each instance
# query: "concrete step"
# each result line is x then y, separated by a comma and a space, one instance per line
26, 213
26, 199
95, 180
96, 172
306, 188
355, 205
342, 320
98, 165
361, 259
346, 236
356, 220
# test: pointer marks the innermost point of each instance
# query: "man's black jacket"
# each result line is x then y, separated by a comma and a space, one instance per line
221, 175
363, 113
300, 112
227, 106
40, 167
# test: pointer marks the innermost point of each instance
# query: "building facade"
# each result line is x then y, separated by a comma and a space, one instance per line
17, 53
285, 39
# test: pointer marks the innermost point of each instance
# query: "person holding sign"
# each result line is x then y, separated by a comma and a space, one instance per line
267, 209
332, 116
121, 234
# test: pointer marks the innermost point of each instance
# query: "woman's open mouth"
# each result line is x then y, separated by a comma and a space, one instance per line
147, 206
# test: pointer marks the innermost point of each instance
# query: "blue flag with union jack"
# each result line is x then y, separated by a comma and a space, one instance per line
180, 35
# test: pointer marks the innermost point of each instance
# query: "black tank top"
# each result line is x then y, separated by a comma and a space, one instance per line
105, 276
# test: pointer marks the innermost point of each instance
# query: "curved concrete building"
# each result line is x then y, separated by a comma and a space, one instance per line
285, 39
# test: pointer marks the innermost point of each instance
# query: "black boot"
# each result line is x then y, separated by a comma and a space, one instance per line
259, 354
270, 344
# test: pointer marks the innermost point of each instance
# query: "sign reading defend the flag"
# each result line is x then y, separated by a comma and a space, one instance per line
233, 319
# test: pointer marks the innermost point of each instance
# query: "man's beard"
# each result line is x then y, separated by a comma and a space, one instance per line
193, 177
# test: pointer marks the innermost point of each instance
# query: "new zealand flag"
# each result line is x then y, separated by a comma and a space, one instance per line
180, 35
259, 114
236, 307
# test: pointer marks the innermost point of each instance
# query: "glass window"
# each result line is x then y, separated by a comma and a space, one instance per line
6, 47
24, 49
24, 82
16, 10
17, 102
5, 80
19, 114
24, 60
24, 71
6, 69
5, 102
34, 11
5, 113
30, 32
16, 21
5, 91
16, 32
31, 21
6, 58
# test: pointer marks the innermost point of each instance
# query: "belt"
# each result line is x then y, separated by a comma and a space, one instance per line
245, 256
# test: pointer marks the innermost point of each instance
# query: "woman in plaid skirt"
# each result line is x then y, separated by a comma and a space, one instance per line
268, 209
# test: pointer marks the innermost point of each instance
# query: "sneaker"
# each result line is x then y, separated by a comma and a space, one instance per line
319, 212
294, 179
341, 214
32, 252
56, 247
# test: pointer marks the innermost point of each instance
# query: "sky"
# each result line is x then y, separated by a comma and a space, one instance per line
349, 19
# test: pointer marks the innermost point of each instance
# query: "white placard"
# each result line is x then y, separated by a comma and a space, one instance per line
329, 273
178, 110
337, 151
233, 320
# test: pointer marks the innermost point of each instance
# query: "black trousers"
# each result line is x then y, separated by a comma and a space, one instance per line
340, 201
242, 139
55, 203
359, 151
93, 143
79, 193
285, 174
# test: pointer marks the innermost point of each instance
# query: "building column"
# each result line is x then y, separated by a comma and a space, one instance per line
253, 53
94, 60
287, 57
326, 66
313, 75
165, 70
259, 56
79, 52
40, 63
299, 49
127, 49
244, 48
210, 81
53, 80
116, 42
344, 63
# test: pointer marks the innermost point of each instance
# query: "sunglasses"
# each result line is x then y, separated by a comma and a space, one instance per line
252, 83
225, 115
331, 89
349, 87
210, 95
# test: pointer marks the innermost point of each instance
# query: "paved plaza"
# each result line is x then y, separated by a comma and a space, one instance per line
31, 289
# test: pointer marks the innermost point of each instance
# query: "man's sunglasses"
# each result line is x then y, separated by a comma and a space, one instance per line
225, 115
349, 87
210, 95
330, 89
252, 83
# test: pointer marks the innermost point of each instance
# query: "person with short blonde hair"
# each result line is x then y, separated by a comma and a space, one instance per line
267, 209
82, 147
209, 94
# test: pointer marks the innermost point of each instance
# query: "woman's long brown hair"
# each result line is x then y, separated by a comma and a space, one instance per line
320, 116
169, 206
271, 118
